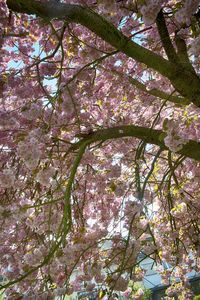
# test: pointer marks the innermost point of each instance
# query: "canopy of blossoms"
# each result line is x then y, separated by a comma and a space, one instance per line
99, 143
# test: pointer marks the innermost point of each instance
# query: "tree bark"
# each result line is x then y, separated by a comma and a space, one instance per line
148, 135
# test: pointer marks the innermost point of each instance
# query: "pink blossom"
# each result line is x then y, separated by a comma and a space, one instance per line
30, 151
183, 16
150, 10
33, 112
45, 176
195, 46
127, 293
7, 178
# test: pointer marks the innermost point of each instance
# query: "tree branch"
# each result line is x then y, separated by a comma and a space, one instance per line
165, 38
182, 52
148, 135
67, 216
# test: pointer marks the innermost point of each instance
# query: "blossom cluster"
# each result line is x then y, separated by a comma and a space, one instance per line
150, 10
195, 46
30, 151
7, 178
173, 141
183, 15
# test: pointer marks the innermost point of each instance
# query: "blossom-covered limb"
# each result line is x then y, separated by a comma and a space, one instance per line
152, 136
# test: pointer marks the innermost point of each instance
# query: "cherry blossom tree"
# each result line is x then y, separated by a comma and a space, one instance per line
100, 131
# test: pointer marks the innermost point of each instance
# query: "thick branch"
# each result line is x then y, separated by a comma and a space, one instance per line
186, 82
148, 135
165, 38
